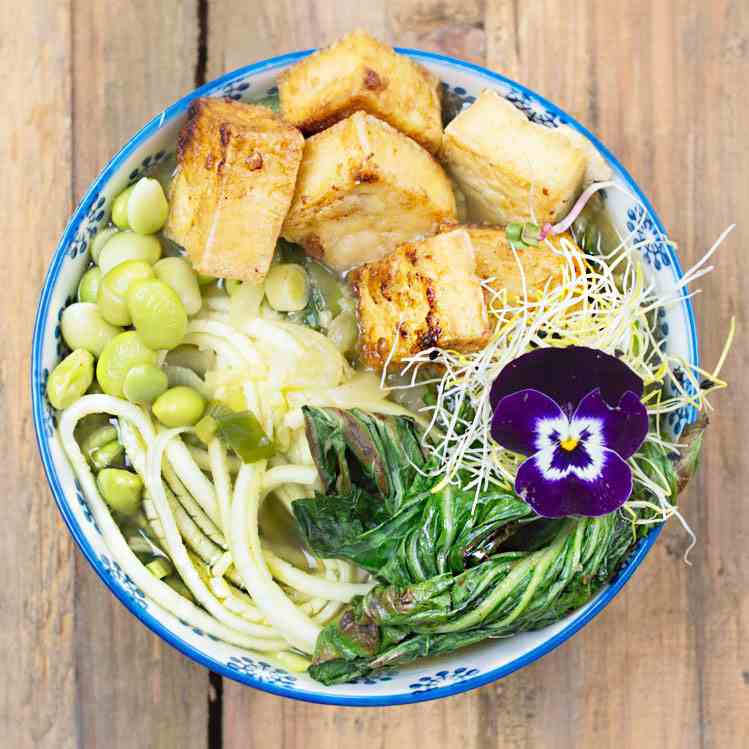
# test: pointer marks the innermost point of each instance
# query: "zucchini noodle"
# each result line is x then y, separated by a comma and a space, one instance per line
298, 630
154, 588
246, 590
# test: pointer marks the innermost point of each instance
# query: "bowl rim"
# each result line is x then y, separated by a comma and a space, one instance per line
175, 109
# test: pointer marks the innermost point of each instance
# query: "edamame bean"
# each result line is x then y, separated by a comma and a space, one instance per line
147, 208
343, 331
107, 454
83, 326
121, 490
98, 438
179, 407
287, 287
119, 356
177, 273
88, 286
101, 238
70, 378
112, 296
119, 208
157, 314
127, 245
144, 383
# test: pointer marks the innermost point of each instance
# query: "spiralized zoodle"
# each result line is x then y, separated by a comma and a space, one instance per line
205, 512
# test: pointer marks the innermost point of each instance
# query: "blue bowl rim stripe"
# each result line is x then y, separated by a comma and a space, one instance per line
145, 616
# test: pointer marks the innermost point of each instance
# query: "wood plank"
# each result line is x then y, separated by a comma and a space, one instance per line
710, 116
37, 695
129, 63
240, 33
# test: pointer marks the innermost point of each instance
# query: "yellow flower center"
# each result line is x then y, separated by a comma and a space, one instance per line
569, 444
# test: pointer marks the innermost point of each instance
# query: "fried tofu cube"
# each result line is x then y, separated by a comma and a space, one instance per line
532, 269
509, 168
356, 73
425, 294
363, 188
236, 170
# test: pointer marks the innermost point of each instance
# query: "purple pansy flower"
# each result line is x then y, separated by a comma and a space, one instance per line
577, 413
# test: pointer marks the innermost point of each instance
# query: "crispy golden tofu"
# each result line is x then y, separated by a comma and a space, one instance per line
531, 268
509, 168
363, 188
236, 169
356, 73
425, 294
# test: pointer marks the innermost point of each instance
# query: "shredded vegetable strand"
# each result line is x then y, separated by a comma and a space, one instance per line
298, 630
155, 589
175, 546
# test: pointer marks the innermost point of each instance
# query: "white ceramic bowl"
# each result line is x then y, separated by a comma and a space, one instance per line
425, 679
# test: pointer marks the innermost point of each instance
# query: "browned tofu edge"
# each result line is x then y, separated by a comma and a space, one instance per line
328, 113
381, 275
199, 154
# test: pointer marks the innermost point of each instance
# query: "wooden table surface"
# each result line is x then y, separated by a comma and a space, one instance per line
663, 83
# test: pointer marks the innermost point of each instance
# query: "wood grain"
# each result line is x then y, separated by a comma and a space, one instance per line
666, 665
133, 690
37, 646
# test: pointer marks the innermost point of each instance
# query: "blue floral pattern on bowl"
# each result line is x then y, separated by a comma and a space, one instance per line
260, 670
235, 90
84, 505
117, 574
644, 233
62, 348
678, 419
48, 413
534, 110
148, 163
387, 674
97, 216
197, 631
442, 678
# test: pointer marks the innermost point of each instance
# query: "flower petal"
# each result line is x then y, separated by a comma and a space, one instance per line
567, 375
623, 427
572, 495
515, 424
